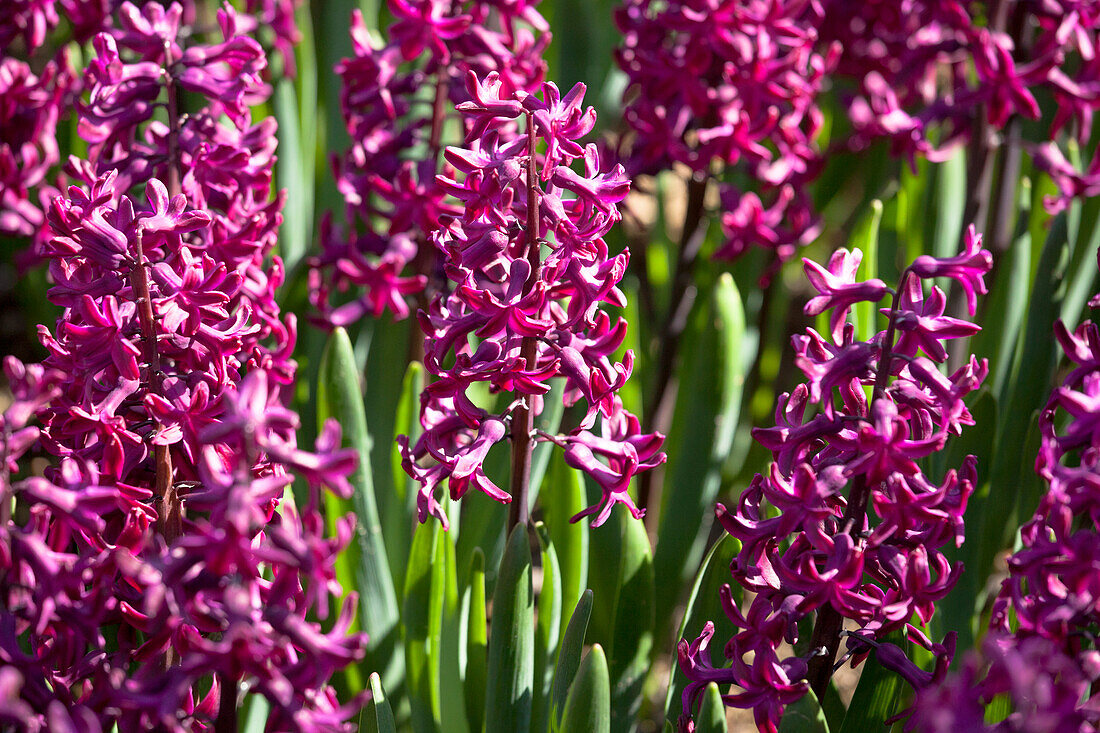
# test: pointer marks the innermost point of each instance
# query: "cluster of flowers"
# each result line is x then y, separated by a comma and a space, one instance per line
806, 547
388, 177
515, 319
740, 86
1041, 650
166, 520
39, 88
722, 85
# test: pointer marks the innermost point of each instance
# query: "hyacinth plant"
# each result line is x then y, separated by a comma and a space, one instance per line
845, 525
223, 224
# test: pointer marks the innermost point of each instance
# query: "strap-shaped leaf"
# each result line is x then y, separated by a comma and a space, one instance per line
877, 694
423, 617
712, 711
562, 497
377, 714
704, 604
806, 716
397, 500
363, 566
547, 628
632, 639
865, 238
569, 657
703, 429
512, 640
588, 706
476, 673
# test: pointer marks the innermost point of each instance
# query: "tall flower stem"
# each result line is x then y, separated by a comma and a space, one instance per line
227, 705
175, 160
523, 420
169, 509
825, 640
681, 299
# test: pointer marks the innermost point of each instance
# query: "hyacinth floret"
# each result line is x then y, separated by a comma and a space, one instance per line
394, 199
164, 515
530, 272
844, 525
1040, 651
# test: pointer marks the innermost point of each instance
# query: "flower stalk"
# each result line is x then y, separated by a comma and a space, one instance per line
523, 419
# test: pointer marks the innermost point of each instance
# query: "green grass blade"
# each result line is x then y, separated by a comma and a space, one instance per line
569, 657
508, 696
588, 706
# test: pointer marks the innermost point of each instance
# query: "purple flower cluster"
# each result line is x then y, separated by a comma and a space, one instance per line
731, 85
738, 88
518, 317
870, 554
388, 177
166, 518
1041, 647
108, 625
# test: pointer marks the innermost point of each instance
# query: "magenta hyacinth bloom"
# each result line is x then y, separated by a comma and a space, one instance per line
164, 518
1038, 652
394, 199
534, 316
810, 549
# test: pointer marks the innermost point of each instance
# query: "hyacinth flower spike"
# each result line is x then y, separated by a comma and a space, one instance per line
845, 526
532, 317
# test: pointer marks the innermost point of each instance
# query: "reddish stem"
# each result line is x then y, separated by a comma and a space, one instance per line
825, 639
523, 420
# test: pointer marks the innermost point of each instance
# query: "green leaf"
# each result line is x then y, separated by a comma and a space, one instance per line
704, 426
255, 711
511, 640
294, 173
397, 500
476, 676
712, 711
452, 651
547, 630
562, 498
865, 238
588, 706
877, 694
949, 204
423, 617
363, 565
569, 657
632, 641
806, 716
703, 605
957, 611
549, 421
377, 715
1025, 390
